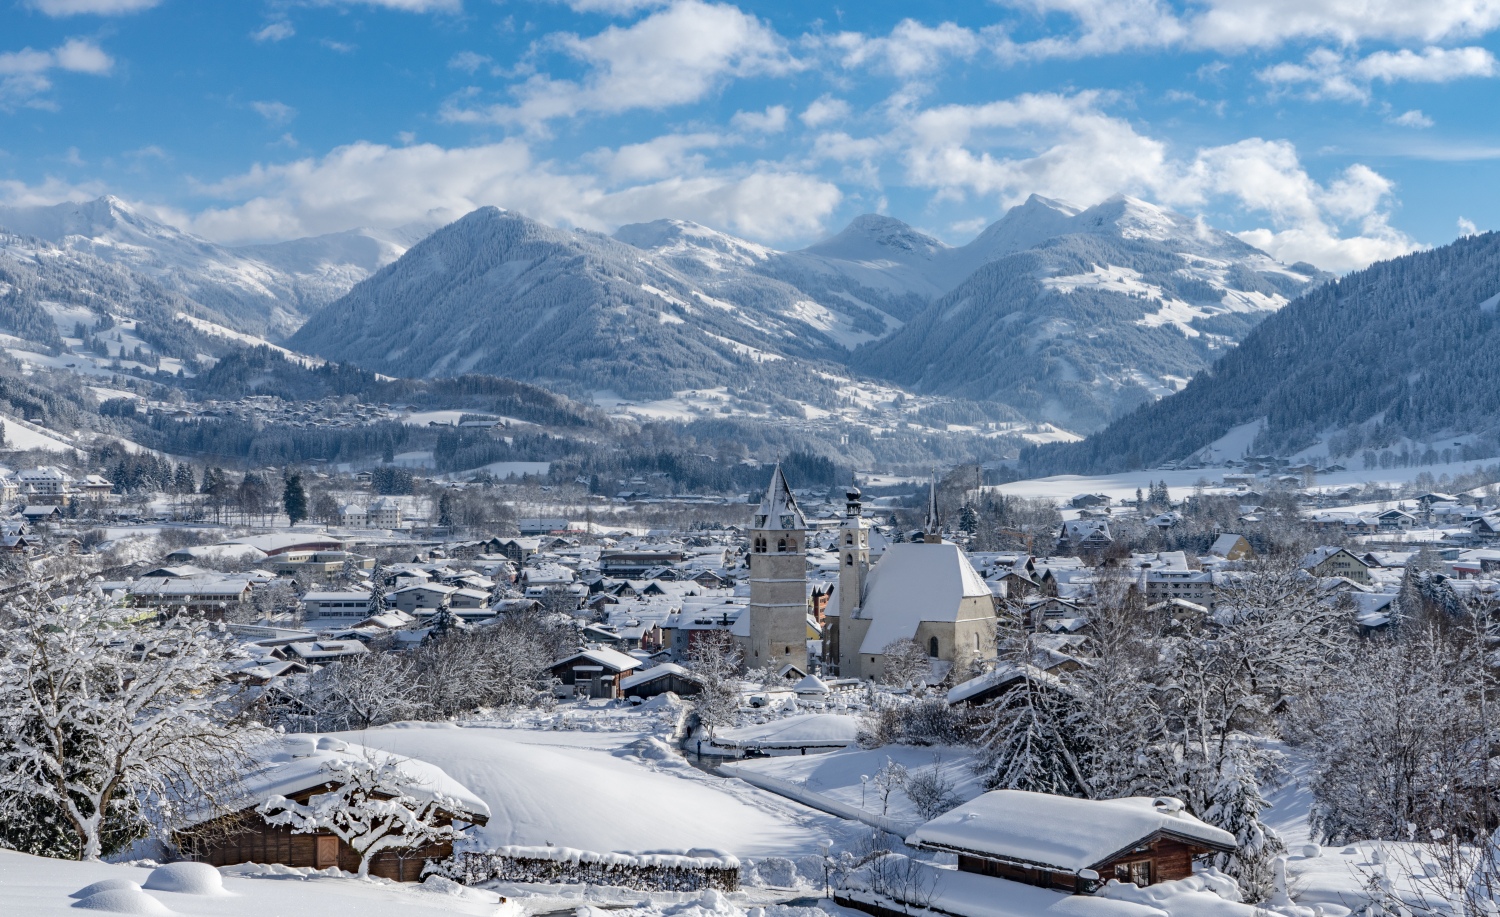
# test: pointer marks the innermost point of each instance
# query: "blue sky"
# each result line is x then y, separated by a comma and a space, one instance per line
1335, 131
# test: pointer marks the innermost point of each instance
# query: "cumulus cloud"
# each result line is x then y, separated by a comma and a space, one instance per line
1067, 146
51, 191
1413, 118
673, 57
910, 50
90, 7
770, 121
24, 74
1466, 227
1328, 74
406, 6
369, 184
613, 7
1110, 26
824, 110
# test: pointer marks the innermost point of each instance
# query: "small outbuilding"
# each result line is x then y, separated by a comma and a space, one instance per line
1073, 844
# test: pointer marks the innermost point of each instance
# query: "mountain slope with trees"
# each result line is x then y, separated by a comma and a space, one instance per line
1401, 350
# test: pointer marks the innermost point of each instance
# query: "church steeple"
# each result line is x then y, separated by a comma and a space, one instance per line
778, 580
932, 531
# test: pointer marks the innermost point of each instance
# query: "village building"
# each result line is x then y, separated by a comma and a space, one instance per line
1072, 844
595, 672
1334, 561
925, 591
297, 770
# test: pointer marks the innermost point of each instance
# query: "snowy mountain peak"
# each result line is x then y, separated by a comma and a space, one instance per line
686, 238
873, 237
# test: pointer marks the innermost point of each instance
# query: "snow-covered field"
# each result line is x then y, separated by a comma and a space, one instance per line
37, 887
606, 791
1182, 482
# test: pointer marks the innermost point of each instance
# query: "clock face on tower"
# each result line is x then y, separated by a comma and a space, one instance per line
786, 522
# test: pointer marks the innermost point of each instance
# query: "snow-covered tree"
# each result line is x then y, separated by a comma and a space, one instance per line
376, 804
378, 604
106, 725
906, 665
715, 664
1026, 745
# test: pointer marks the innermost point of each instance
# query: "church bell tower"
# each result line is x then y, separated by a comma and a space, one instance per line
778, 580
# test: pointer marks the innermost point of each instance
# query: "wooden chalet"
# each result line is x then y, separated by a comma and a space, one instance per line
297, 771
1073, 845
595, 672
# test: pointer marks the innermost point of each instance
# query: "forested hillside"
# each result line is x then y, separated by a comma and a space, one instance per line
1405, 348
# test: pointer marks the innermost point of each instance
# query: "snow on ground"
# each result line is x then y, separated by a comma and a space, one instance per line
213, 329
606, 792
835, 776
22, 435
1181, 482
40, 887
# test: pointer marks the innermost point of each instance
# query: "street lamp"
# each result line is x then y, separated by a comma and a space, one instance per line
825, 845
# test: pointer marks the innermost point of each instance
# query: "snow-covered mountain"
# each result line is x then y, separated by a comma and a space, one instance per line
498, 293
1076, 316
258, 289
1071, 315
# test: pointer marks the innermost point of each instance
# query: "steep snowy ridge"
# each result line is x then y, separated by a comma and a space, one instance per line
1078, 316
259, 289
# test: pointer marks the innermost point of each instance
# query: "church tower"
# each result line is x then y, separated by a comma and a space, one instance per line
778, 580
854, 564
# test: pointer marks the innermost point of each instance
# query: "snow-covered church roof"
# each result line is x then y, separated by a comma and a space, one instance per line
778, 509
1059, 832
916, 582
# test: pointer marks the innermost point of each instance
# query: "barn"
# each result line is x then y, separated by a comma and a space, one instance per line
296, 768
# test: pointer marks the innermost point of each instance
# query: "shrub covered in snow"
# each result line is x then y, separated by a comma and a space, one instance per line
647, 872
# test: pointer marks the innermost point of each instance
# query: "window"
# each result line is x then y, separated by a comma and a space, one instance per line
1138, 872
781, 546
848, 560
932, 647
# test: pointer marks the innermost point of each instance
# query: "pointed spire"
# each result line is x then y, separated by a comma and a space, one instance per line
778, 508
932, 531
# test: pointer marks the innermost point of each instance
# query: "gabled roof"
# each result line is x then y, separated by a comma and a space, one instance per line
778, 510
915, 582
1059, 832
610, 659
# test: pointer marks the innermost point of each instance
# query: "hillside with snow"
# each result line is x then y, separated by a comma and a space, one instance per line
1079, 316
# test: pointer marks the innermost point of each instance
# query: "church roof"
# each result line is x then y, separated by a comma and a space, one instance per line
916, 582
778, 508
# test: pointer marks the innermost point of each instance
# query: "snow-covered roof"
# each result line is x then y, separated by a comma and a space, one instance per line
778, 509
916, 582
613, 659
297, 763
655, 672
806, 730
1059, 832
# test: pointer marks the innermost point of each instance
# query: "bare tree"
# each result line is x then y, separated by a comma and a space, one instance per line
715, 662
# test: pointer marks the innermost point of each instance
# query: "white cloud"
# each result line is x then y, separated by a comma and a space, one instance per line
1066, 146
1466, 227
1413, 118
770, 121
672, 154
672, 57
24, 74
369, 184
91, 7
910, 50
824, 110
275, 113
469, 61
280, 30
1110, 26
50, 191
1331, 75
405, 6
613, 7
